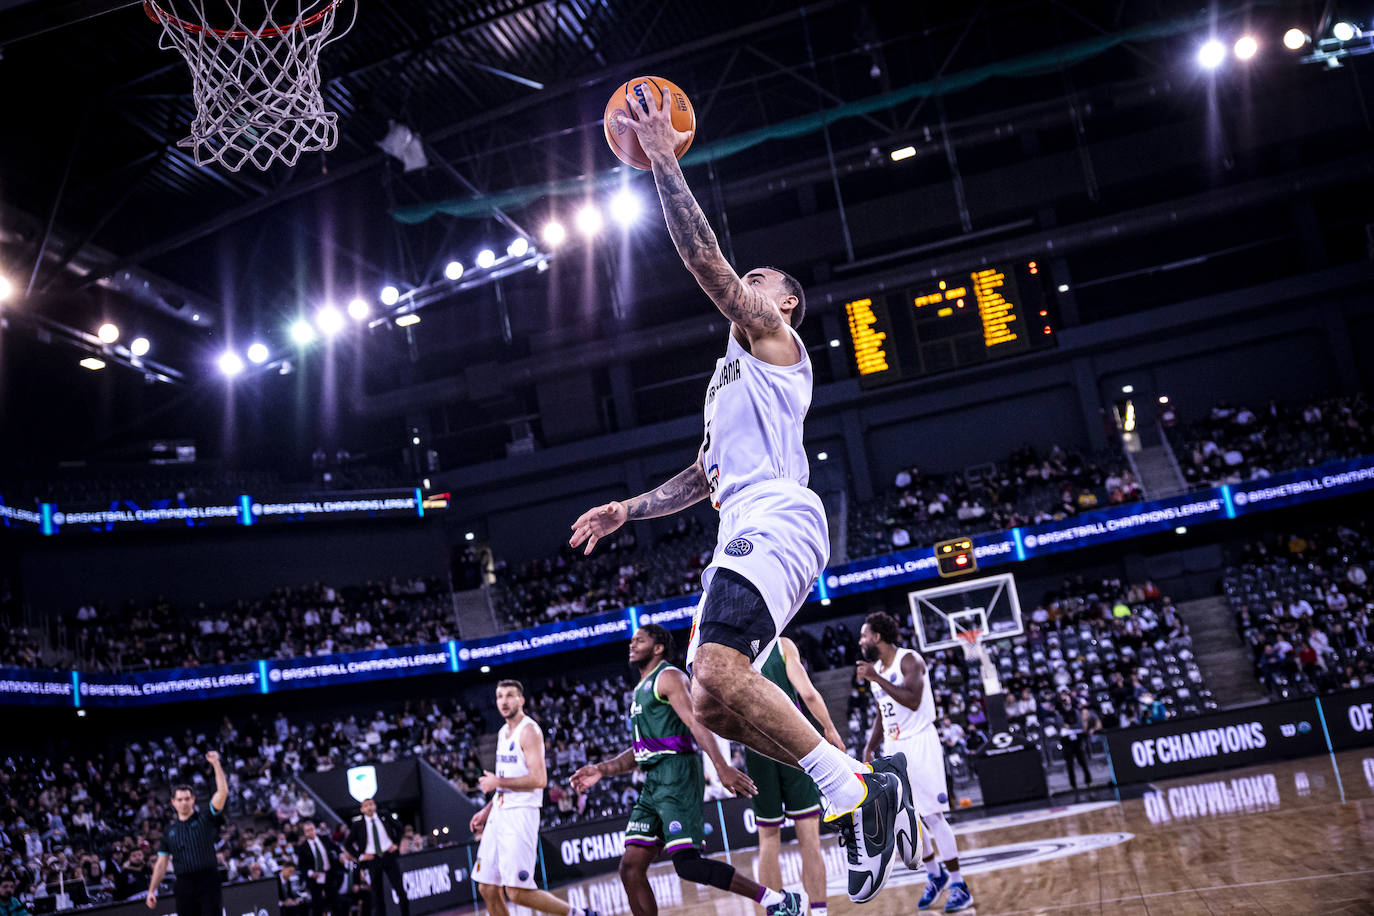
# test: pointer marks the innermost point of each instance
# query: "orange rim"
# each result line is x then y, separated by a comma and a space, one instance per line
158, 14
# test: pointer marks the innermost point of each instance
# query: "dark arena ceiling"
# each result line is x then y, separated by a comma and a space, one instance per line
106, 218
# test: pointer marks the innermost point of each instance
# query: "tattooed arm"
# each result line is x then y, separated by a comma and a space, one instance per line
686, 489
758, 316
696, 244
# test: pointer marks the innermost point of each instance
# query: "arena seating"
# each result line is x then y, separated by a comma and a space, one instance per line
1303, 603
1234, 444
288, 622
81, 817
1025, 488
624, 570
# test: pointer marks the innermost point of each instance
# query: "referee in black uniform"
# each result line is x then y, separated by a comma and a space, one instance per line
189, 842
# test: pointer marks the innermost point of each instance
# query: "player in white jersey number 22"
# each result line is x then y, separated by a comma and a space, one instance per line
773, 539
509, 823
906, 724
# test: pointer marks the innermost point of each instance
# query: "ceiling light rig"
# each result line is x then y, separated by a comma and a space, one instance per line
1345, 38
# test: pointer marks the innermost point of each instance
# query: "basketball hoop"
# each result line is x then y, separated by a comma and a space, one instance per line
975, 650
255, 78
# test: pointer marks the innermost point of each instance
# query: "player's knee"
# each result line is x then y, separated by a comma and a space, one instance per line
708, 710
518, 895
631, 870
489, 892
691, 866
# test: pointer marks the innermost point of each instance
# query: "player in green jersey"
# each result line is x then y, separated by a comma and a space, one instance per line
667, 815
785, 791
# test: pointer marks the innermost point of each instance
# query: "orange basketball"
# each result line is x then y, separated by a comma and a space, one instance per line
623, 140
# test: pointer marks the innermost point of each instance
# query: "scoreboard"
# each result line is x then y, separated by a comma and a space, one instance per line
948, 323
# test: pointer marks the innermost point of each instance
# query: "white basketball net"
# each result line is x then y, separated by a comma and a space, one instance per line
255, 66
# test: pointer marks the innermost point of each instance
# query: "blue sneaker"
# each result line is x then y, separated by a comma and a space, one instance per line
959, 898
793, 904
934, 887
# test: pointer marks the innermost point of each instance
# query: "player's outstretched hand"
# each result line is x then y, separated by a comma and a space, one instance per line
151, 900
738, 782
653, 124
833, 736
585, 778
595, 524
212, 756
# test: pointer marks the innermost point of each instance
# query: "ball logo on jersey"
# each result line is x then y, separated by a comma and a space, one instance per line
739, 547
675, 826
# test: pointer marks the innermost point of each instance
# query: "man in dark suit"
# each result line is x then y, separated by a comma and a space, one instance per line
373, 840
316, 856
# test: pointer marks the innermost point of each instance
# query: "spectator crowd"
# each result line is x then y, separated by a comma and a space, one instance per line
1304, 606
1026, 488
1237, 444
290, 622
84, 828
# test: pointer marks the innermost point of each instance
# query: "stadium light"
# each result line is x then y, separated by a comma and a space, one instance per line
554, 233
407, 320
258, 353
1211, 55
329, 321
518, 247
454, 270
626, 207
302, 332
1246, 47
6, 288
92, 363
589, 220
1163, 399
358, 309
1295, 39
1343, 31
905, 152
485, 258
108, 333
230, 363
140, 346
390, 295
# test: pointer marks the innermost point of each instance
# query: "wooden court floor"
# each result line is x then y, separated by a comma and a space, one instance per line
1289, 838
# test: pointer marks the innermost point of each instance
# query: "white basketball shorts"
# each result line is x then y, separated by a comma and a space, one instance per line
509, 848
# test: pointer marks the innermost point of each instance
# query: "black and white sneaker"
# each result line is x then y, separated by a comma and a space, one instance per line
909, 842
869, 834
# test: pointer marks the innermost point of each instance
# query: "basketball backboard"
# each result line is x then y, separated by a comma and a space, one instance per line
989, 604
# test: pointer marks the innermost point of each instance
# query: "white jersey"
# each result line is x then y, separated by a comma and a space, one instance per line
754, 415
510, 763
901, 722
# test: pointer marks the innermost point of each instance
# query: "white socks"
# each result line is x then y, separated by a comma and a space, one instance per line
771, 898
837, 775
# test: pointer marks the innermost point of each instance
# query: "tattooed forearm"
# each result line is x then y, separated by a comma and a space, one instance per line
686, 489
693, 236
696, 244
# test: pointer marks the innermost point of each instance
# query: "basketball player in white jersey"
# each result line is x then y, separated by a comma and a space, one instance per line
509, 824
906, 725
773, 540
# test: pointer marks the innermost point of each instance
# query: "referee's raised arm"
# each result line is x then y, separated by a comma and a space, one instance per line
188, 842
221, 796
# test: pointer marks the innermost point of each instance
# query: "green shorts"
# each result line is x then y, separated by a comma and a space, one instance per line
668, 811
782, 791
